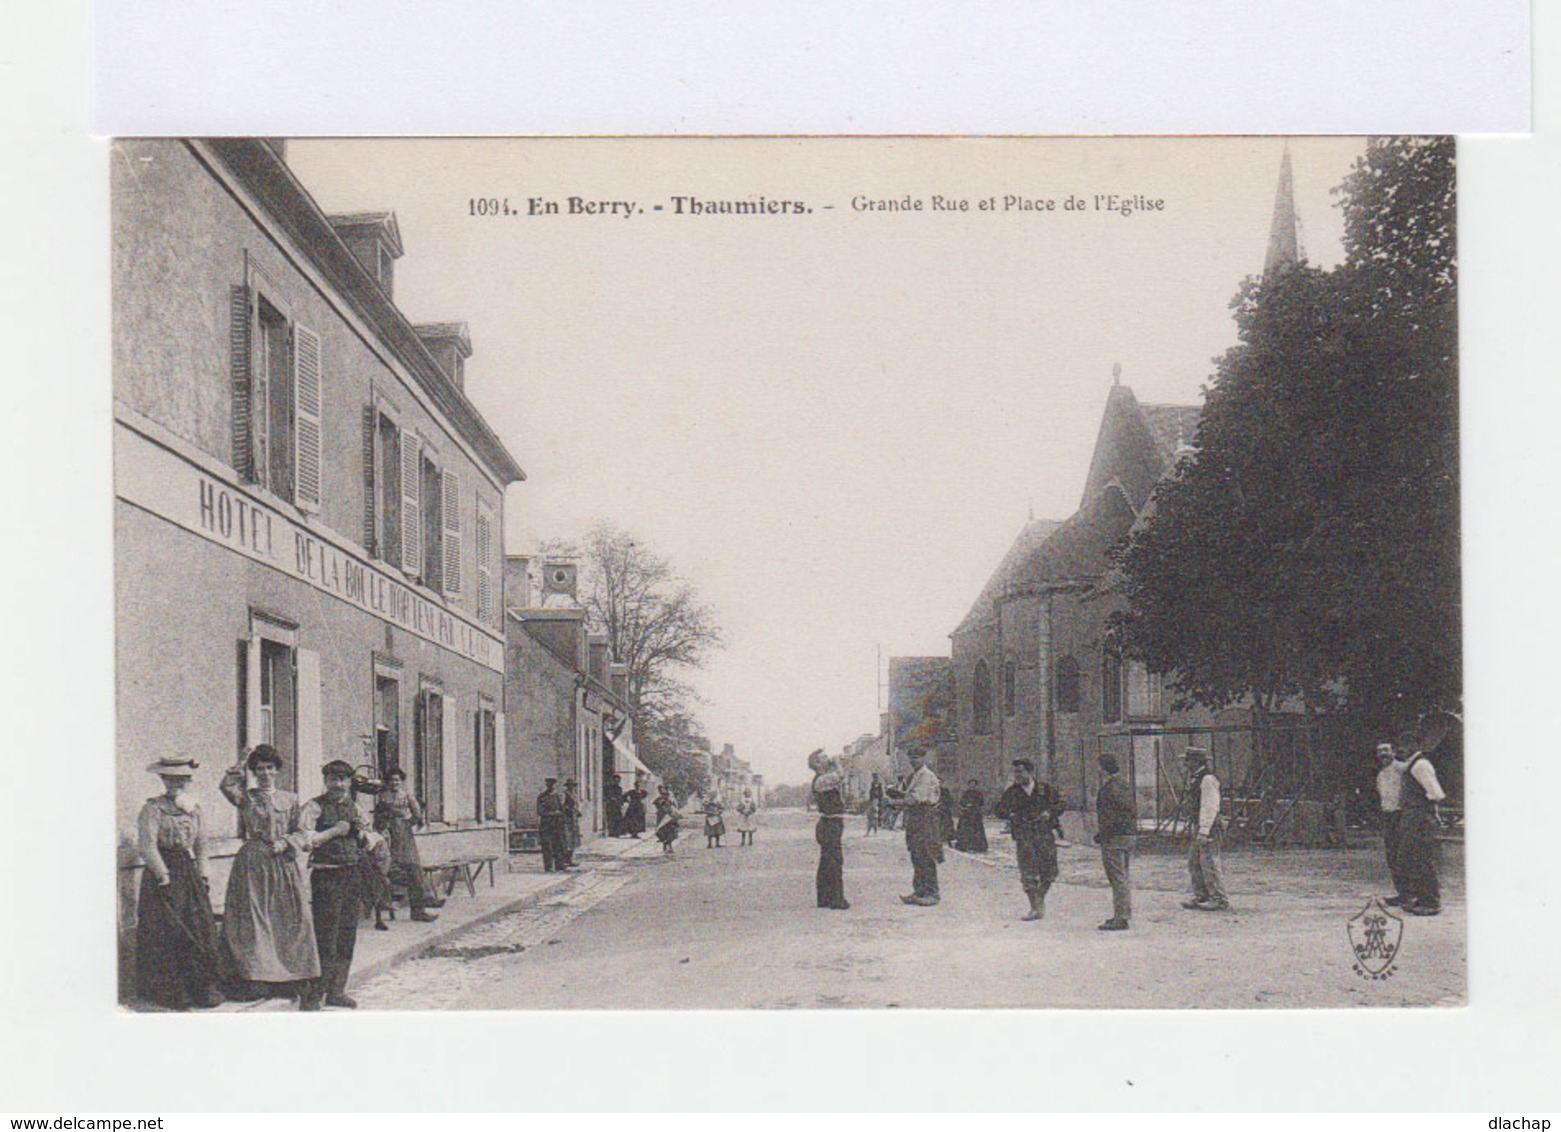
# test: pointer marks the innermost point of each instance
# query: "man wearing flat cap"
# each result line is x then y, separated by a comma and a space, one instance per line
1203, 855
923, 831
553, 826
337, 831
1116, 826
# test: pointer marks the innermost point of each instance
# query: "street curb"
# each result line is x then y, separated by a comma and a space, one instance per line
422, 946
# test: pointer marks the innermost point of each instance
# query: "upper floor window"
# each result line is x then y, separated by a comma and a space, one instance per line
412, 506
1067, 682
278, 372
981, 698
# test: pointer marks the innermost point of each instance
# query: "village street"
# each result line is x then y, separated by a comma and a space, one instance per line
737, 927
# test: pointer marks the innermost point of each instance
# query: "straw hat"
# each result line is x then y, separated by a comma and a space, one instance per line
181, 767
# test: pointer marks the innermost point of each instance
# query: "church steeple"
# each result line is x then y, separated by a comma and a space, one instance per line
1284, 243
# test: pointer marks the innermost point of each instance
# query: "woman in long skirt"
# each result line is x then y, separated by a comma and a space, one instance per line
397, 815
747, 818
634, 811
971, 834
666, 820
176, 933
267, 926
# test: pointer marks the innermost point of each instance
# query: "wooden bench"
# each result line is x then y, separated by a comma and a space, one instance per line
467, 870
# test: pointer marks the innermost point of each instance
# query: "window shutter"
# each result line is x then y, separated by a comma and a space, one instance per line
450, 482
243, 394
450, 802
370, 485
484, 551
411, 510
311, 740
498, 795
307, 379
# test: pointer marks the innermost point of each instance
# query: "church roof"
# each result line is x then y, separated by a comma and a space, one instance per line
1035, 532
1136, 445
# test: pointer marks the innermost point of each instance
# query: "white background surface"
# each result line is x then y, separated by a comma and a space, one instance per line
63, 1047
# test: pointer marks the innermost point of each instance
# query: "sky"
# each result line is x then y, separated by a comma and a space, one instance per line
832, 422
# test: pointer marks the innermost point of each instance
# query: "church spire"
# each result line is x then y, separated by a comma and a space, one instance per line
1284, 244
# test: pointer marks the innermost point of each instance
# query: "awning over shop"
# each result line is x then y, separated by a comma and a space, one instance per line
625, 761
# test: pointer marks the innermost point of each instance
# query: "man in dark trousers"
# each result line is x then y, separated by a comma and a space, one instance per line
1206, 832
554, 825
923, 829
1032, 808
612, 806
1417, 836
830, 800
1117, 826
571, 819
337, 830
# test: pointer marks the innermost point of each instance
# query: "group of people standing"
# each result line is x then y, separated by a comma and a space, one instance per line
624, 812
1033, 809
304, 873
558, 824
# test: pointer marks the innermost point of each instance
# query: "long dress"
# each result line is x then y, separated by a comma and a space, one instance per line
176, 933
267, 926
714, 826
971, 834
747, 816
666, 820
397, 815
634, 812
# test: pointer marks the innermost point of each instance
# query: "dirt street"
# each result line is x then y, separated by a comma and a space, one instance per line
737, 927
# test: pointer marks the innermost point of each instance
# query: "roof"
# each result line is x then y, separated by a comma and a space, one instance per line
1034, 533
382, 224
1079, 551
263, 173
1136, 445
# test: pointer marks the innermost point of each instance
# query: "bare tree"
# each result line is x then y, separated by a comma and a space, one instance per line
655, 622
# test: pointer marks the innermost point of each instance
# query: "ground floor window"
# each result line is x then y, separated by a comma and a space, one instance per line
429, 751
387, 717
487, 769
268, 676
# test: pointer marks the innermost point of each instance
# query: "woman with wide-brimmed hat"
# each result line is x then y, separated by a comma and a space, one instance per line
176, 934
267, 928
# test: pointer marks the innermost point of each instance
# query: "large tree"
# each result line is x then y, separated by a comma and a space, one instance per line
659, 628
1310, 547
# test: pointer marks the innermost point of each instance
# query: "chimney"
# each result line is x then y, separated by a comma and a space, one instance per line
619, 680
374, 241
451, 345
597, 663
517, 581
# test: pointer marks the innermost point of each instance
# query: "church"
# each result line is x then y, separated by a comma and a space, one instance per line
1036, 671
